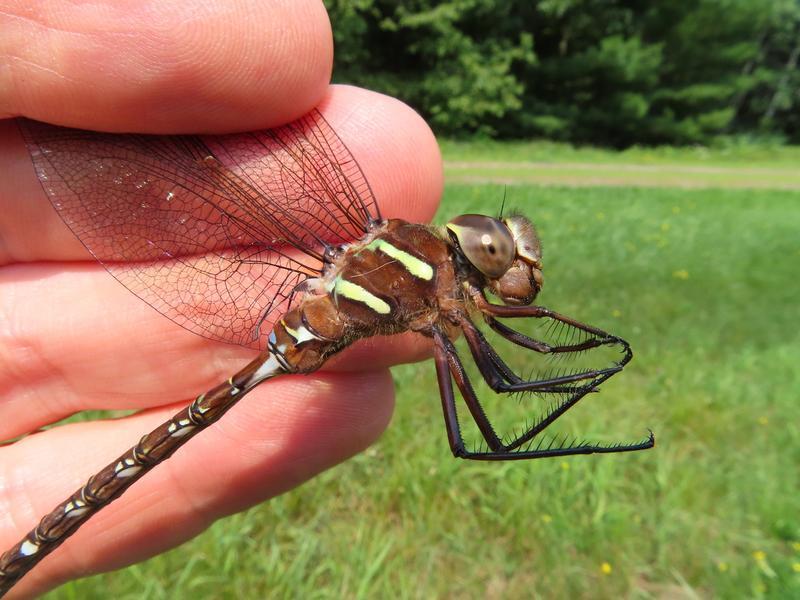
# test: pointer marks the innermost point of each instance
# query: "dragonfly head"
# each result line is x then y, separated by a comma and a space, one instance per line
506, 253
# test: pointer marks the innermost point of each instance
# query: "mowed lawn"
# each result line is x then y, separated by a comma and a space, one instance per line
551, 163
703, 283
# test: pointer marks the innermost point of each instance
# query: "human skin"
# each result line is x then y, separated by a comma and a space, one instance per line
73, 339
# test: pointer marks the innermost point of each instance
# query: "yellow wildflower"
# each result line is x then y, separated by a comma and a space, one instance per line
681, 274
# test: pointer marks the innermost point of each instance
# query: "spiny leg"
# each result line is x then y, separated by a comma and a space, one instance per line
447, 358
449, 365
456, 370
520, 339
445, 380
490, 311
511, 312
573, 396
501, 379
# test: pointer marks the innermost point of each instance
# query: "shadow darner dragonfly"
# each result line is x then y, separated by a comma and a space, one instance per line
274, 240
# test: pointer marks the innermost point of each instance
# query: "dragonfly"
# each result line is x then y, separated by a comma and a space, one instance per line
274, 240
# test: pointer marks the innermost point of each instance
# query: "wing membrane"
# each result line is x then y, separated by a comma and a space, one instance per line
213, 232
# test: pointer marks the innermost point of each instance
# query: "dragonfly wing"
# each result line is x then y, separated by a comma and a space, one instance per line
323, 193
213, 232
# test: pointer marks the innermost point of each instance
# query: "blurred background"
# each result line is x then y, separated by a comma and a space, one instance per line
651, 143
608, 72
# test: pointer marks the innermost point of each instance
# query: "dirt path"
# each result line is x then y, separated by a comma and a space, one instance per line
621, 174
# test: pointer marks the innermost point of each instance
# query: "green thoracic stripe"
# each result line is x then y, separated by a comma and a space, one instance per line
351, 291
415, 266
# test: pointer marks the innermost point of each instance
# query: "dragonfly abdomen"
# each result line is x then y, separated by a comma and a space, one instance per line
110, 483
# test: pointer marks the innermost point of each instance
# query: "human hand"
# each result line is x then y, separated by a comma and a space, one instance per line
72, 339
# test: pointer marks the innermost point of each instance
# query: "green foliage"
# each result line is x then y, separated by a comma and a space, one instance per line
771, 103
610, 72
452, 60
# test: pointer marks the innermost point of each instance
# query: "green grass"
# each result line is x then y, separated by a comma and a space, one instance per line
704, 285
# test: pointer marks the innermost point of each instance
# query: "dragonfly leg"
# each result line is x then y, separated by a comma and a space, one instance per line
511, 312
599, 337
501, 379
520, 339
454, 437
449, 367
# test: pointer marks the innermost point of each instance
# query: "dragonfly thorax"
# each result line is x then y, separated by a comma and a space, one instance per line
503, 255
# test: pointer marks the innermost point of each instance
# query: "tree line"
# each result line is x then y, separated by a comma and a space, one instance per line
608, 72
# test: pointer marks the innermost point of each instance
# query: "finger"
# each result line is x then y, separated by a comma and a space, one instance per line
395, 148
392, 144
164, 67
74, 340
281, 434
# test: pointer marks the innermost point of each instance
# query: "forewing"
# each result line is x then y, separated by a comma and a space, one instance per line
213, 232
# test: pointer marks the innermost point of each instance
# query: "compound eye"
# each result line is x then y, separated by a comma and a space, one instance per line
485, 242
